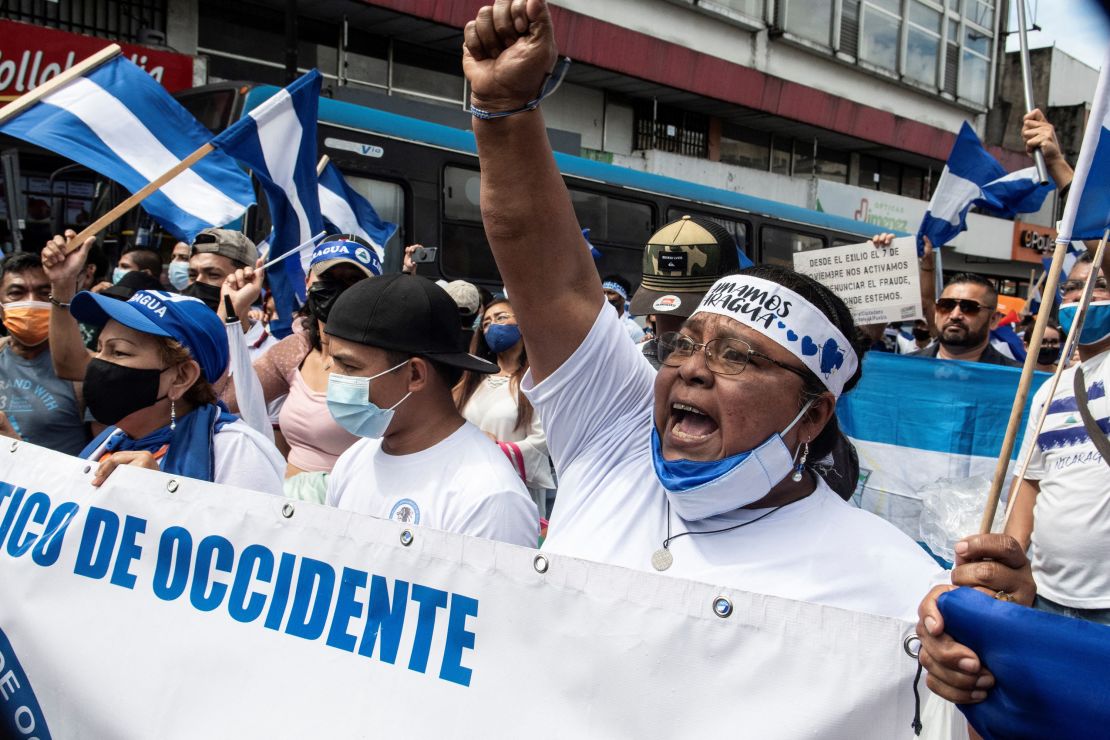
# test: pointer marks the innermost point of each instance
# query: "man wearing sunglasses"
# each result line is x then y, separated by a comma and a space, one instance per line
965, 313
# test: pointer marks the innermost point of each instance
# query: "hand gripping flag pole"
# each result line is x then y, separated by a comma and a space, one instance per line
1068, 349
1027, 86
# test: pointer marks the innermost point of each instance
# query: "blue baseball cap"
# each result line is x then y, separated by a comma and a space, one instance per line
347, 248
182, 318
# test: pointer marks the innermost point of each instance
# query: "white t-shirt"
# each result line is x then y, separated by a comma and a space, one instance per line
597, 411
1071, 519
462, 484
245, 458
493, 409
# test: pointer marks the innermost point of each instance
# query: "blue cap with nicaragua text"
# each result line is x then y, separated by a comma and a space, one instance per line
182, 318
347, 248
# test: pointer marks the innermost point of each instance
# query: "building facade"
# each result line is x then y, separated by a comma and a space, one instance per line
847, 106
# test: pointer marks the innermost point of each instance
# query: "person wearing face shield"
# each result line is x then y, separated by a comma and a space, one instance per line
294, 370
150, 384
702, 470
396, 352
493, 401
40, 407
1060, 512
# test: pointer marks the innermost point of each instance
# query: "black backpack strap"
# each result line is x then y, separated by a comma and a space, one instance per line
1098, 437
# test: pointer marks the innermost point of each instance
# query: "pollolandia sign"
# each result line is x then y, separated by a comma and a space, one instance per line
1032, 243
30, 55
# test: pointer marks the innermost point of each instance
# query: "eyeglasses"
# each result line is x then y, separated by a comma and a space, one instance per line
1076, 285
967, 306
501, 317
723, 356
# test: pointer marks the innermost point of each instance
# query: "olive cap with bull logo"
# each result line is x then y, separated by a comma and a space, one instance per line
681, 262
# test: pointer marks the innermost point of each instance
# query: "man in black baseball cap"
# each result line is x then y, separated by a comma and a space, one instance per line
395, 352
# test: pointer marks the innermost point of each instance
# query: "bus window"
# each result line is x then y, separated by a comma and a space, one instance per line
465, 254
613, 220
779, 245
461, 190
388, 199
847, 242
738, 229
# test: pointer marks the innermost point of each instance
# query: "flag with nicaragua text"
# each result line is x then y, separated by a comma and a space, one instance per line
277, 140
118, 121
972, 177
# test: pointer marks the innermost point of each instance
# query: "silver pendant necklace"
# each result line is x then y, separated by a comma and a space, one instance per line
662, 558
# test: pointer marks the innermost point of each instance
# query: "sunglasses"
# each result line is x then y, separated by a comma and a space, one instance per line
967, 306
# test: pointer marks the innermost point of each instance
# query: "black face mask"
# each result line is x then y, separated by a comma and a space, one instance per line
921, 335
1048, 355
321, 297
113, 391
210, 294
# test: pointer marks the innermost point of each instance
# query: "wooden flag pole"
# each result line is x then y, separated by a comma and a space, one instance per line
321, 165
1018, 410
96, 226
31, 97
1068, 349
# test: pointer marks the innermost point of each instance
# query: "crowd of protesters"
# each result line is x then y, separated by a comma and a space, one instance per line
699, 441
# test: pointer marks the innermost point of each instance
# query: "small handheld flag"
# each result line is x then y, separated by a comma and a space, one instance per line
972, 177
277, 140
347, 212
118, 121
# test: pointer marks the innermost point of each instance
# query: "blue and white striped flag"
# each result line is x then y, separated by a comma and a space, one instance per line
347, 212
117, 121
277, 140
916, 420
1075, 249
1087, 213
972, 177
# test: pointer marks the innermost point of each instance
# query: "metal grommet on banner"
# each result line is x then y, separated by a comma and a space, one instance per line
88, 468
907, 645
287, 511
406, 537
15, 445
722, 607
172, 486
540, 563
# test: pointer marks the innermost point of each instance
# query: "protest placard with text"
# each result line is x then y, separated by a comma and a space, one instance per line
879, 284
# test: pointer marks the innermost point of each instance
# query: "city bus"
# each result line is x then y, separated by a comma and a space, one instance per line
424, 177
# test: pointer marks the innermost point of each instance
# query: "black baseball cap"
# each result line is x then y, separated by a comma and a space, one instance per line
403, 313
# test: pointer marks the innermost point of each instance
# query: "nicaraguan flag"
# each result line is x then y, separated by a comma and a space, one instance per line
277, 140
347, 212
116, 120
915, 420
1050, 671
1087, 213
972, 177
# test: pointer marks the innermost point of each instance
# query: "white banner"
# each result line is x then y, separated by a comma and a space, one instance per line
879, 284
163, 608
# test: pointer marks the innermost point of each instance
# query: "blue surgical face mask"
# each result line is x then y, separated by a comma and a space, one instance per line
178, 273
117, 275
350, 405
1096, 324
698, 490
501, 337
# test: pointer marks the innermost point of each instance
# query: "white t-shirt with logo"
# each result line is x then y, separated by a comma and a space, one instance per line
463, 484
1071, 519
597, 410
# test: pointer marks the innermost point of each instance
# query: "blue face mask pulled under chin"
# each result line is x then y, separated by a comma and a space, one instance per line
1096, 324
698, 490
350, 405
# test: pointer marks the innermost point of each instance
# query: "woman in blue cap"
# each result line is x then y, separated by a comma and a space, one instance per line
150, 383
